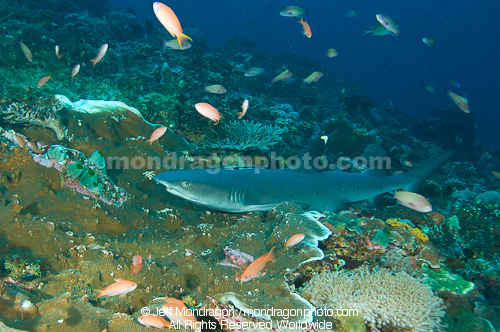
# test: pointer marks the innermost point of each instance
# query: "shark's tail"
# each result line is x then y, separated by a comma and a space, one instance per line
423, 171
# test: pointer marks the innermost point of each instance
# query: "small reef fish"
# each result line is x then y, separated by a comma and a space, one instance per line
377, 30
159, 132
253, 270
244, 109
174, 44
255, 71
460, 101
351, 14
152, 320
306, 29
178, 313
136, 265
497, 174
430, 88
429, 41
167, 18
100, 54
75, 70
281, 77
216, 88
42, 81
293, 11
57, 52
413, 201
120, 287
314, 77
295, 239
208, 111
26, 51
389, 24
331, 53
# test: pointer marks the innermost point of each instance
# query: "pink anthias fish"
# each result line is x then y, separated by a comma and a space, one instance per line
100, 54
75, 71
57, 52
254, 269
413, 201
159, 132
295, 239
244, 109
120, 287
152, 320
136, 265
208, 111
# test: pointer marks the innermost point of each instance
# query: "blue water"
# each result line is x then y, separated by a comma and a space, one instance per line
391, 70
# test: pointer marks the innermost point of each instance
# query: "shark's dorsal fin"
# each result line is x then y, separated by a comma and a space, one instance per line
310, 158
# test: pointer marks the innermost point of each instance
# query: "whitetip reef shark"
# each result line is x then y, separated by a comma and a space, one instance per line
246, 190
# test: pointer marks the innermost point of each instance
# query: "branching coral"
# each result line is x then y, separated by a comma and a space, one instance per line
381, 298
39, 115
247, 135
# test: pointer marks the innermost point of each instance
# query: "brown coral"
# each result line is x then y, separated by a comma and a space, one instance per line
39, 115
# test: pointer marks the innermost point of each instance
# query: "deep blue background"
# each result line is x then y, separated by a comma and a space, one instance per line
467, 49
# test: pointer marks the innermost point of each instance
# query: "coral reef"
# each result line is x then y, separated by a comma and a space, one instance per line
247, 135
39, 115
380, 297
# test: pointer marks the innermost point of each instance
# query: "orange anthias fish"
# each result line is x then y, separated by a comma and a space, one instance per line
497, 174
57, 52
216, 88
306, 29
167, 18
75, 70
120, 287
100, 54
208, 111
461, 102
136, 265
174, 44
178, 313
152, 320
413, 201
244, 109
314, 77
389, 24
295, 239
331, 53
26, 51
42, 81
253, 270
283, 76
159, 132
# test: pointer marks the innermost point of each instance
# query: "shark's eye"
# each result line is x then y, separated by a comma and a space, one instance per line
186, 184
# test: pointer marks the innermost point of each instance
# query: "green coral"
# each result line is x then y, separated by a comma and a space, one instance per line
447, 281
248, 135
19, 268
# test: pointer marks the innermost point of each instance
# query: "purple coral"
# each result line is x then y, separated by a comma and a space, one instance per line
235, 258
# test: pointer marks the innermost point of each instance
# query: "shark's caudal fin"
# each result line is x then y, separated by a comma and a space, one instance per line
423, 171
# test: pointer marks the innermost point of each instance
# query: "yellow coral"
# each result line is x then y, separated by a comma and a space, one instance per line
418, 233
394, 222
